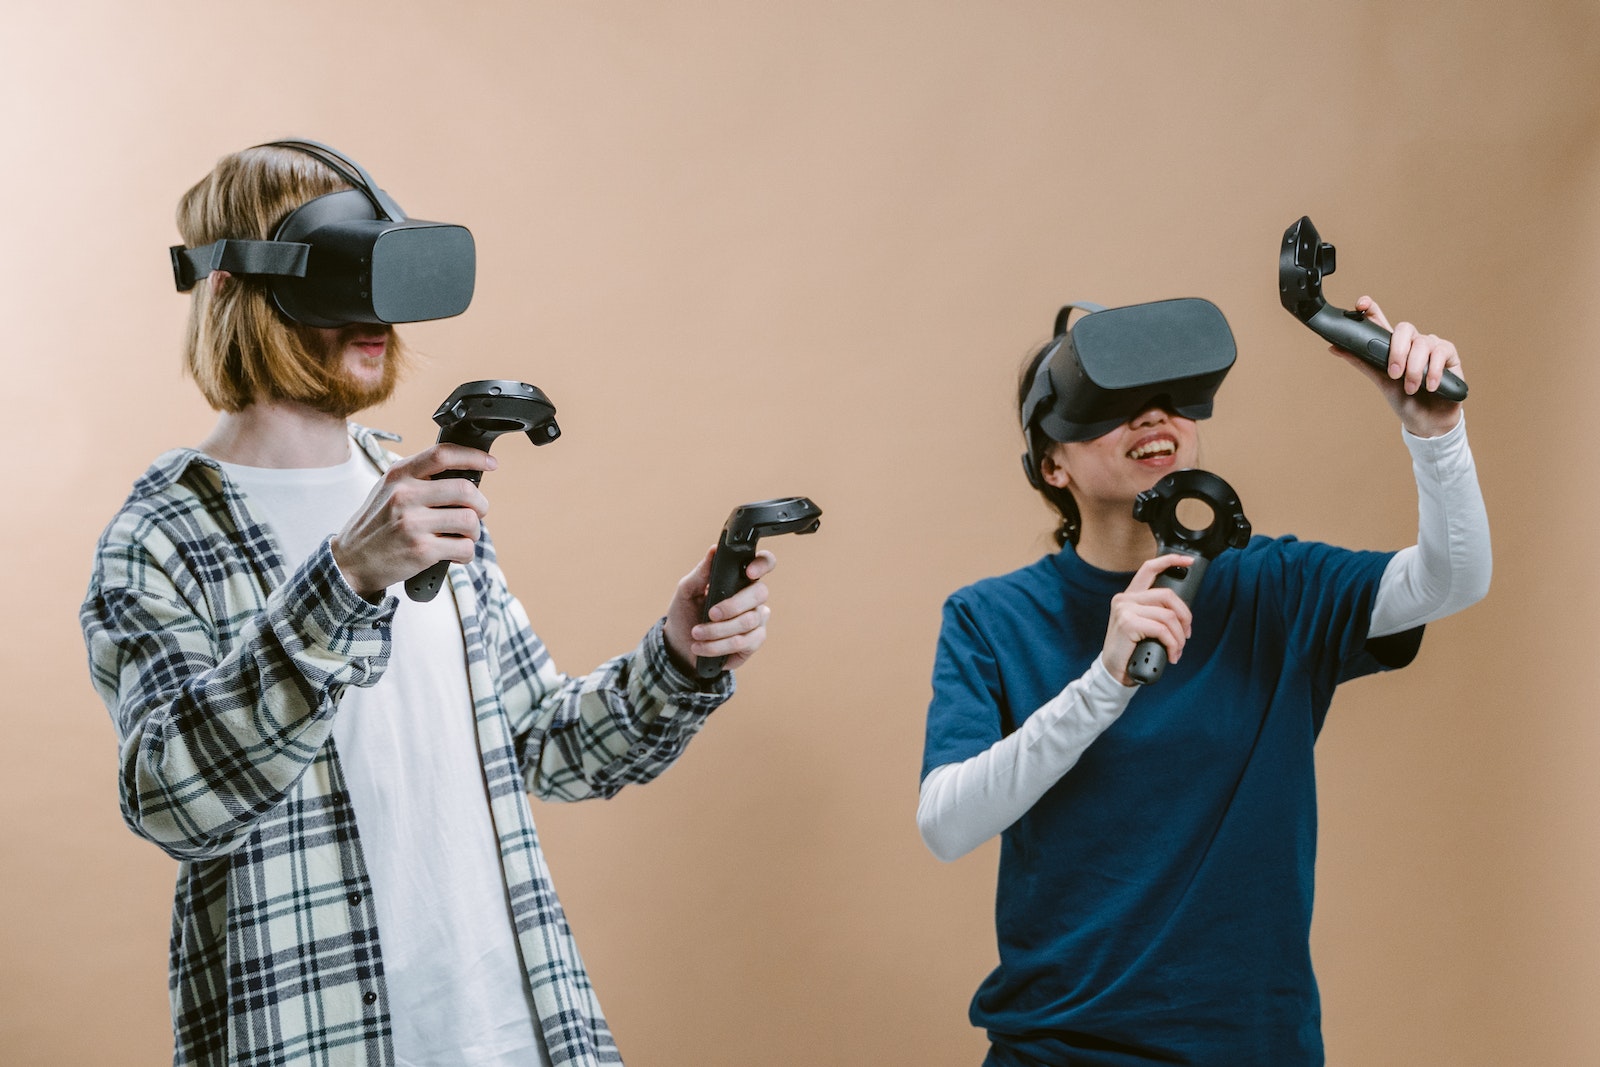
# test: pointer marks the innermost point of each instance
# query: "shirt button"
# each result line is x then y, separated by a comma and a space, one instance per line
354, 899
369, 998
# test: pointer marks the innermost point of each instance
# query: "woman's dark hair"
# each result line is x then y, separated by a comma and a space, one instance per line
1038, 445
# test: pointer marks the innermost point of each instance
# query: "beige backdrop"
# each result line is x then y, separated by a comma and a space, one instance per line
754, 249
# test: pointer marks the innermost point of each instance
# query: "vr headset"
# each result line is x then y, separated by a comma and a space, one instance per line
1112, 364
349, 256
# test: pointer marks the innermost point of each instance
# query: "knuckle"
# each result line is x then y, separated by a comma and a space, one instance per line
408, 526
403, 494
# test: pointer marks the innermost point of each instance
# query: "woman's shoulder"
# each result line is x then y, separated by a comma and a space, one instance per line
1024, 583
1263, 550
1286, 562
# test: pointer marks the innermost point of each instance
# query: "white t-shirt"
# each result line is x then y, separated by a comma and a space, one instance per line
457, 988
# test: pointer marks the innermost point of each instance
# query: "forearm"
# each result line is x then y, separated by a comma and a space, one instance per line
623, 723
1450, 565
210, 740
964, 804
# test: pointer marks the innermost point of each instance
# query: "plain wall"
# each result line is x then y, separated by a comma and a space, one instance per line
758, 249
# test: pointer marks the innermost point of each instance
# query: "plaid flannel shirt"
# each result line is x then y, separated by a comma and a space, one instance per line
223, 673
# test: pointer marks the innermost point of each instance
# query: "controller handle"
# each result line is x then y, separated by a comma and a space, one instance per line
474, 415
1149, 658
1357, 334
736, 548
1303, 261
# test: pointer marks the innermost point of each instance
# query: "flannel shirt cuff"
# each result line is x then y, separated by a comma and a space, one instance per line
340, 620
682, 691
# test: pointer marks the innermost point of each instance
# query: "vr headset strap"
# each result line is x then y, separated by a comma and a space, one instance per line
286, 258
350, 171
1040, 392
1066, 313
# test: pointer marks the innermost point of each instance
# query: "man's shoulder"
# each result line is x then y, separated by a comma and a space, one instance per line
169, 470
177, 488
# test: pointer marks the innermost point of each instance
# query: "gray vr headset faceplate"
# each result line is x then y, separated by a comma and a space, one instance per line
363, 268
348, 256
1113, 364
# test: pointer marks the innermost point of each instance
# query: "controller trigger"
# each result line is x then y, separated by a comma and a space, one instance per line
1358, 316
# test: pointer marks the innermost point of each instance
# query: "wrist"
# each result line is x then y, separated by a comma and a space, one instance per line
679, 658
1432, 423
348, 572
1116, 673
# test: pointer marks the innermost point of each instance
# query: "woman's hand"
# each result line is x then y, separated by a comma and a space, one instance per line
737, 626
1142, 611
1417, 362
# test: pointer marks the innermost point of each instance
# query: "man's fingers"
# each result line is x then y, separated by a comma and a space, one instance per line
746, 599
744, 633
445, 493
447, 457
739, 624
764, 564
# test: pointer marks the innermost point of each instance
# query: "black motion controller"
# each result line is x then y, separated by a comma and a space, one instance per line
1158, 506
736, 547
1303, 262
474, 415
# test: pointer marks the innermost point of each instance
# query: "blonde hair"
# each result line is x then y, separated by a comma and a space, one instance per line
238, 347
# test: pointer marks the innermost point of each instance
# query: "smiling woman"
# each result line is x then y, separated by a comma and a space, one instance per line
1156, 862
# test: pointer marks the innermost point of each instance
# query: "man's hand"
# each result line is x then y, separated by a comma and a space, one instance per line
410, 522
736, 627
1417, 361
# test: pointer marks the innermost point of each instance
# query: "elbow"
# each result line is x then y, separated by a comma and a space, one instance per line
944, 851
167, 834
940, 841
1478, 588
186, 829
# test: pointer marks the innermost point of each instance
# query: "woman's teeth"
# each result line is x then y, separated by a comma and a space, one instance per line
1154, 448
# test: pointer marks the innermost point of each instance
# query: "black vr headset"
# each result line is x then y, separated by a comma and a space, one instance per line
349, 256
1112, 364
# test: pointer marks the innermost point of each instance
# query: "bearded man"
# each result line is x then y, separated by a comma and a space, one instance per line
342, 772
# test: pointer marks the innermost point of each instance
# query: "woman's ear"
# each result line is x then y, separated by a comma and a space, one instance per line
1052, 469
217, 279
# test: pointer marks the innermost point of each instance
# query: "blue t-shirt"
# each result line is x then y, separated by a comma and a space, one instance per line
1155, 904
